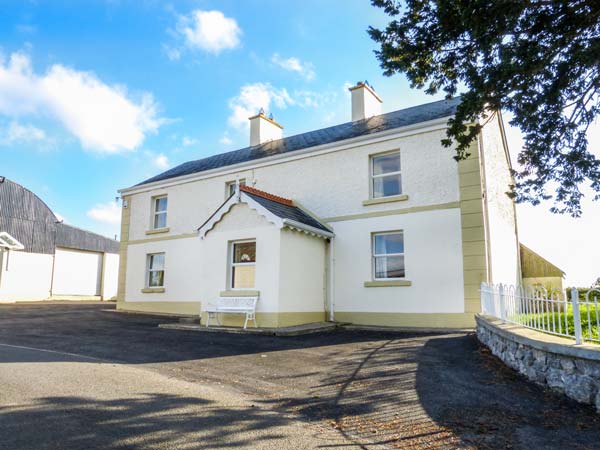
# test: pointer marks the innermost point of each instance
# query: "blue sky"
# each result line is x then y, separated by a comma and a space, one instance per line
99, 95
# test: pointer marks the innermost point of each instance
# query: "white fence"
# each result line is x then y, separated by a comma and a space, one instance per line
556, 312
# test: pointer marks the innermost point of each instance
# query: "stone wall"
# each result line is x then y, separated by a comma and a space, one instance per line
547, 360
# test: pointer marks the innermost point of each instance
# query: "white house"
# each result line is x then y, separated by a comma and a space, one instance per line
42, 258
369, 222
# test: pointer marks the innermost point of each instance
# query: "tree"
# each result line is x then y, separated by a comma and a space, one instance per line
539, 59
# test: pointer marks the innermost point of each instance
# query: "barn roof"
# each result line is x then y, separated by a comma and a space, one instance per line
26, 217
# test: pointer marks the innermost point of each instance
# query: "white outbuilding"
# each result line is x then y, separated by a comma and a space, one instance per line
42, 258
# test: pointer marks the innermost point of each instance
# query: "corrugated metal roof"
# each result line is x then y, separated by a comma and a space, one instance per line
396, 119
26, 217
72, 237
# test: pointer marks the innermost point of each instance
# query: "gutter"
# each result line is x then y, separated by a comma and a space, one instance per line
301, 226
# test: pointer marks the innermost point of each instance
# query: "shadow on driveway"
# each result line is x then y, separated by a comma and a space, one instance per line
398, 390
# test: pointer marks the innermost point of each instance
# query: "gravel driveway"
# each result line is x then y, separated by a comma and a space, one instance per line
354, 389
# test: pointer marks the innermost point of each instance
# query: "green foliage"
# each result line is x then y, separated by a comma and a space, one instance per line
548, 320
539, 59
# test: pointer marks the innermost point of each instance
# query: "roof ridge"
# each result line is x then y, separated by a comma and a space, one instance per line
267, 195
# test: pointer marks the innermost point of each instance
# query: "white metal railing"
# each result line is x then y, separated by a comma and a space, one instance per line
556, 312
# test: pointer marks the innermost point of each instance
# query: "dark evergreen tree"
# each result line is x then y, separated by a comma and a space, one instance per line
539, 59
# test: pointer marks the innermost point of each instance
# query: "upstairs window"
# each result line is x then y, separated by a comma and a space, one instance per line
156, 270
388, 255
386, 180
159, 206
243, 264
231, 187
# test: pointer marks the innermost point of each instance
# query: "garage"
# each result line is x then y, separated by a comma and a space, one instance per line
77, 272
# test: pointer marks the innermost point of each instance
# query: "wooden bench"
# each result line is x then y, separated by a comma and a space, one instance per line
233, 305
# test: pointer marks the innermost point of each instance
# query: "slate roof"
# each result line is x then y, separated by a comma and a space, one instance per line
283, 208
348, 130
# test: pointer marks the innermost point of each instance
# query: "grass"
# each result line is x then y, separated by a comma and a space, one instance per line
547, 319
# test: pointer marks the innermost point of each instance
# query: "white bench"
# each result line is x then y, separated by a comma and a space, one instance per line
233, 305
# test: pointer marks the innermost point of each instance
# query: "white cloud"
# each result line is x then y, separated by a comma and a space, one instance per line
104, 118
186, 141
225, 140
252, 98
109, 213
174, 54
161, 161
210, 31
293, 64
16, 133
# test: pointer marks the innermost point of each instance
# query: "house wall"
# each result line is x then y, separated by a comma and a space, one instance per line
334, 186
434, 268
329, 185
25, 276
182, 277
503, 242
302, 277
77, 273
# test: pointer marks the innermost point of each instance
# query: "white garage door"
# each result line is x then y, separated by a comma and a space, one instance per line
77, 273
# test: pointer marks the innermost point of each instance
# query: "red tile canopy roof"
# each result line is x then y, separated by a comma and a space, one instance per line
263, 194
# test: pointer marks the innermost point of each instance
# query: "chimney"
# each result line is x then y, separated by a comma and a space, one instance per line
264, 129
365, 102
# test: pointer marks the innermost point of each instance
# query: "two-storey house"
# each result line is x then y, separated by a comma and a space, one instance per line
370, 222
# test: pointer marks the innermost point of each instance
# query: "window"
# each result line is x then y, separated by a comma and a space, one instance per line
156, 270
160, 212
385, 173
388, 255
231, 187
243, 264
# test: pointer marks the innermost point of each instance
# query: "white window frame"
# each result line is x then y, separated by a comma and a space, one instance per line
372, 175
231, 184
374, 255
155, 213
232, 265
149, 269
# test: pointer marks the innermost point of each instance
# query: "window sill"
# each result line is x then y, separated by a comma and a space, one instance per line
239, 293
158, 230
390, 199
388, 283
154, 290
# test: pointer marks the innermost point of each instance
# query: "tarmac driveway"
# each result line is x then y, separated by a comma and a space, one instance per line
348, 389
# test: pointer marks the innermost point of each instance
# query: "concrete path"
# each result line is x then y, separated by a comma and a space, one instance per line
53, 400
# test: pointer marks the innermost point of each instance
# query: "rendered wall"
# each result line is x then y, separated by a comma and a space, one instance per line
433, 260
77, 272
25, 276
329, 185
503, 245
333, 186
196, 270
302, 283
239, 224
